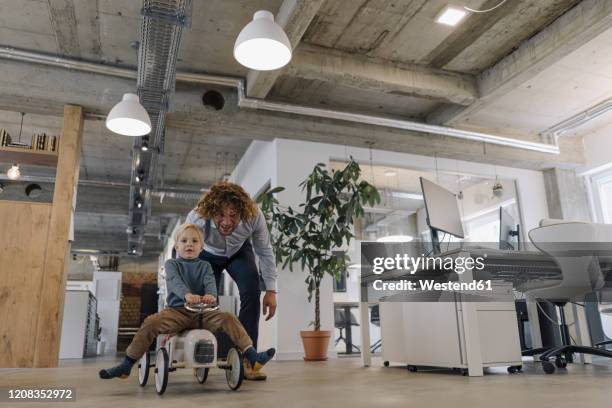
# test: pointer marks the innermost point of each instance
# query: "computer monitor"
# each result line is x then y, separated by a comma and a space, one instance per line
509, 237
442, 211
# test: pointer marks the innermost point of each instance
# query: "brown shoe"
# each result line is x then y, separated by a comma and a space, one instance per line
253, 374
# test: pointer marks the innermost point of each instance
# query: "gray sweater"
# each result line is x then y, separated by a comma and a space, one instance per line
185, 276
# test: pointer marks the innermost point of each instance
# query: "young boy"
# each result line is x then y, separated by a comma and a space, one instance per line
188, 280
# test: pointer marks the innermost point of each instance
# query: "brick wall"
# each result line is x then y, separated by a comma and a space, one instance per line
129, 312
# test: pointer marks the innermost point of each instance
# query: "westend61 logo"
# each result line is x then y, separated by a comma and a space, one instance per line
412, 264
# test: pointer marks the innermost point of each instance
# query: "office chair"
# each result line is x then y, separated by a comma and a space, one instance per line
605, 308
375, 320
574, 246
340, 320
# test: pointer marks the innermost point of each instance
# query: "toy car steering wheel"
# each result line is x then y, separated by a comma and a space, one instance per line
201, 307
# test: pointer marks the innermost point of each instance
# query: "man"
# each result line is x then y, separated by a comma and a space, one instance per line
234, 227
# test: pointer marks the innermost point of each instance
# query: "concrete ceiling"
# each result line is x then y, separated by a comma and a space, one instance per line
514, 71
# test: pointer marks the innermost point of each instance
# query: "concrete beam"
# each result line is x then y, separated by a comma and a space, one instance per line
469, 31
64, 24
295, 17
318, 63
92, 241
34, 88
569, 32
566, 195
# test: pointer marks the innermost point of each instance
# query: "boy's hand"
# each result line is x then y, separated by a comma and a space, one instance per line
190, 298
208, 299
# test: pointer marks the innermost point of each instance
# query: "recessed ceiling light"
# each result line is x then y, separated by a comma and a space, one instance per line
390, 173
451, 15
396, 238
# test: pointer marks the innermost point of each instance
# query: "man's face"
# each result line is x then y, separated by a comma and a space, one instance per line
227, 220
189, 244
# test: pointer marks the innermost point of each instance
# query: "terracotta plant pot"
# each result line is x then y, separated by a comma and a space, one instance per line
315, 344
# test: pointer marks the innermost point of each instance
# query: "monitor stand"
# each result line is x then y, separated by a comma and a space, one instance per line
435, 241
517, 234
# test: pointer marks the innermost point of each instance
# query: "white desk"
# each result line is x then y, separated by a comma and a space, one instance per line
509, 264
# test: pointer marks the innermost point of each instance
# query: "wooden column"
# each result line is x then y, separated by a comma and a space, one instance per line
51, 308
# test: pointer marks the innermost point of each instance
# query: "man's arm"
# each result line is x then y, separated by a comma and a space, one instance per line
263, 249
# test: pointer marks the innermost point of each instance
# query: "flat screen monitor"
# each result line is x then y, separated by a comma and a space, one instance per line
442, 209
508, 231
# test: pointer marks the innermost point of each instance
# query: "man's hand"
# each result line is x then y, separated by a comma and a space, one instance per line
208, 299
269, 304
191, 298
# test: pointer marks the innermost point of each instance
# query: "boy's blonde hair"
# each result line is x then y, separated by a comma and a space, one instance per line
185, 227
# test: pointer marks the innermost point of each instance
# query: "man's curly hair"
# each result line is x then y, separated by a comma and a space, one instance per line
222, 193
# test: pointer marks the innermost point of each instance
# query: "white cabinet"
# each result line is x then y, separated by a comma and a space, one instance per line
434, 333
78, 325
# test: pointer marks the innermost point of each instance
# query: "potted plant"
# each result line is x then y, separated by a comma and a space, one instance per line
308, 234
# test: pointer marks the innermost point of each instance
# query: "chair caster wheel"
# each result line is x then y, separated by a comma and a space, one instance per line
548, 367
560, 362
512, 370
412, 368
386, 363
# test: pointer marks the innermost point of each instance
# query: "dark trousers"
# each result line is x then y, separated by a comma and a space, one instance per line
242, 268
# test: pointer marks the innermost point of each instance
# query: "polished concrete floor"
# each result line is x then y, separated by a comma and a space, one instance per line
339, 383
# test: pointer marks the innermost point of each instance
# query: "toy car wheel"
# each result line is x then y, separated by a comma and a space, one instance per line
143, 369
161, 370
201, 374
235, 372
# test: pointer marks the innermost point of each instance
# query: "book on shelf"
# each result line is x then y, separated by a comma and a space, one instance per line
5, 138
52, 145
45, 142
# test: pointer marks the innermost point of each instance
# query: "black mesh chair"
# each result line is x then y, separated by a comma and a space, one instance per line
375, 320
341, 321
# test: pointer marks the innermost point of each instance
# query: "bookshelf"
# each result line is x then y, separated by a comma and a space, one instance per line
28, 156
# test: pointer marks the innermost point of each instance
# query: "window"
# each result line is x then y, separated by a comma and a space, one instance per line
601, 196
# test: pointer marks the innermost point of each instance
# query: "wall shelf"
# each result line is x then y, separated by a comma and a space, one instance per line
28, 156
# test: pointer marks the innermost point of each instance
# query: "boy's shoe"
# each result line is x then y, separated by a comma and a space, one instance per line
119, 371
254, 361
253, 375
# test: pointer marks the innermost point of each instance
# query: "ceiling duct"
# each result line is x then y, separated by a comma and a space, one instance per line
161, 29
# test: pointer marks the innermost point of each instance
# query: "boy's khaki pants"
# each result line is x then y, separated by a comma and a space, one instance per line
175, 320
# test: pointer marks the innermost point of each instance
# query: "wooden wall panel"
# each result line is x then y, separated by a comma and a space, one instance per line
23, 243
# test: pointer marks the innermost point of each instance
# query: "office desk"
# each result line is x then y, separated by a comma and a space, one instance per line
510, 266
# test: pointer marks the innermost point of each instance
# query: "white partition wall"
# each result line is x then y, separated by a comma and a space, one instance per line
286, 163
108, 295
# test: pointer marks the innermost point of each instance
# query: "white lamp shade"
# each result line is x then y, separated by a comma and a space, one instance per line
128, 117
262, 44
